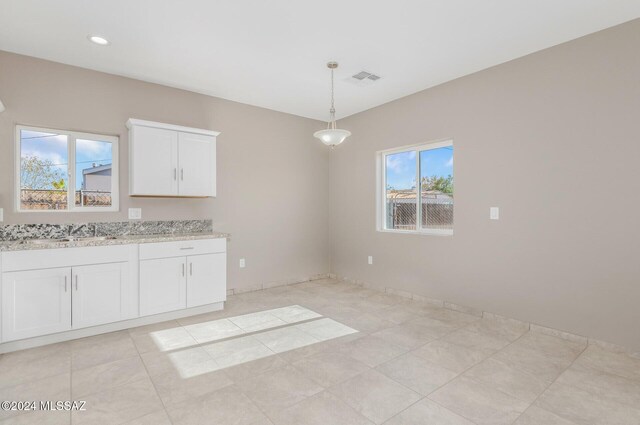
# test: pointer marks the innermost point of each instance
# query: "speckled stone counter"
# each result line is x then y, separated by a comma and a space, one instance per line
118, 240
14, 232
21, 237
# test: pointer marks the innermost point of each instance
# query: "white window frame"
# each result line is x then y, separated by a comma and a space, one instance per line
72, 136
381, 185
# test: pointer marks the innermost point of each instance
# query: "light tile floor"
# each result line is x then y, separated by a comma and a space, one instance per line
325, 353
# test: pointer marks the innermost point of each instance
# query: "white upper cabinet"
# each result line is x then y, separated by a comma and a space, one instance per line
153, 161
170, 160
197, 155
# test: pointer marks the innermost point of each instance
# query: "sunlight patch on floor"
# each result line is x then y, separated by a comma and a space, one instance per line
240, 339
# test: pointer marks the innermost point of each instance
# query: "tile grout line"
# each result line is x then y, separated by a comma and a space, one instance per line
553, 382
258, 407
410, 351
459, 374
148, 376
466, 370
164, 407
482, 383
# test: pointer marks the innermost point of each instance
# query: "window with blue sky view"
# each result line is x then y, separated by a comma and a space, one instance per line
57, 167
419, 176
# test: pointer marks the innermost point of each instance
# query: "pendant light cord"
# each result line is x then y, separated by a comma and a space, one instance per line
332, 111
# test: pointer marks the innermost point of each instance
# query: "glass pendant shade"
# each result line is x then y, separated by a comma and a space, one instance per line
332, 136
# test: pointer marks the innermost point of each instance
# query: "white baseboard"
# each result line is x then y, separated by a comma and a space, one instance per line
109, 327
275, 284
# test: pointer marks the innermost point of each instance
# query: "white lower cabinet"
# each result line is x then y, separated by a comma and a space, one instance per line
185, 274
207, 279
162, 285
35, 302
97, 293
49, 291
40, 302
168, 284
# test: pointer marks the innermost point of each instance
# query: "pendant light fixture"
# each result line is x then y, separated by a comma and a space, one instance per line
332, 136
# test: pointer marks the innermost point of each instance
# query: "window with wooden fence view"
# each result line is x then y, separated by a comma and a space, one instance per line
418, 189
61, 171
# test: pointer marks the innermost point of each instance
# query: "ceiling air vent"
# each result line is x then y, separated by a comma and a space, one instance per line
365, 75
363, 78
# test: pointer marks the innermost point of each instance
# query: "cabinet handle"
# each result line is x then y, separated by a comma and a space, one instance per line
65, 284
183, 269
175, 174
182, 174
76, 282
190, 269
186, 247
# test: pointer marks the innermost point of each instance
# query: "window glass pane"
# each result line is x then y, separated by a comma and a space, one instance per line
44, 163
400, 169
436, 181
93, 173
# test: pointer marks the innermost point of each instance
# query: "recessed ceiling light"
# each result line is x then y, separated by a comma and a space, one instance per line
98, 40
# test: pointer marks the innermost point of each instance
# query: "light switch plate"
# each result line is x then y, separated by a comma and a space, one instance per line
135, 213
1, 215
243, 264
370, 259
494, 213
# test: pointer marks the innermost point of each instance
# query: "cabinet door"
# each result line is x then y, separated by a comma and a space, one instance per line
163, 285
153, 161
197, 159
97, 293
35, 302
207, 279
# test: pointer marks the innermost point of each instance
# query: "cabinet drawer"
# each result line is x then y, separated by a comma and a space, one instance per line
150, 251
65, 257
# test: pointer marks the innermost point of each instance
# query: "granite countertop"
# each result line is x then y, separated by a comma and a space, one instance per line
24, 245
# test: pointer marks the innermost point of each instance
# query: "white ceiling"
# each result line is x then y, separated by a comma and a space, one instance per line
272, 53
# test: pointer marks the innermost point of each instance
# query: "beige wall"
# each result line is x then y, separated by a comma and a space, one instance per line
273, 186
553, 139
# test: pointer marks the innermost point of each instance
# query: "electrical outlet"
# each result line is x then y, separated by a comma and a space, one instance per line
243, 264
494, 213
135, 213
370, 259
